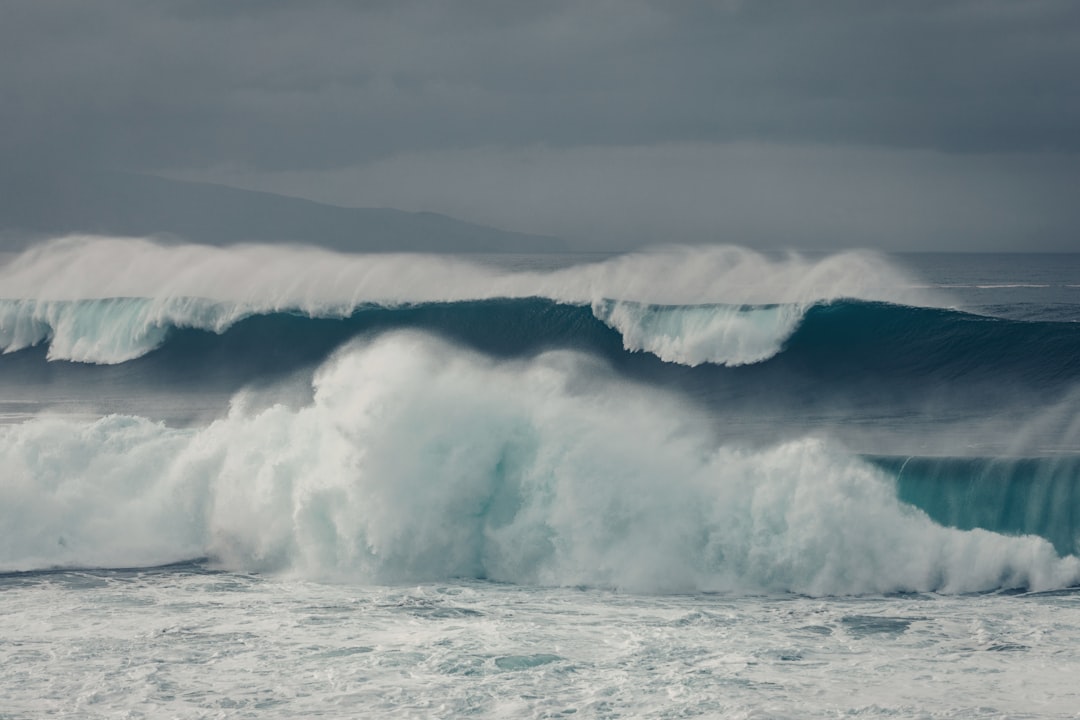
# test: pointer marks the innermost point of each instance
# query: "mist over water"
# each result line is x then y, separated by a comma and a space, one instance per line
108, 300
278, 277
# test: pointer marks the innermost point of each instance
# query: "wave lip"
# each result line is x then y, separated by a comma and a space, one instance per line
728, 335
107, 331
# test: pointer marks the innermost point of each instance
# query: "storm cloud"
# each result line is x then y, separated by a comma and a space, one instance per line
902, 125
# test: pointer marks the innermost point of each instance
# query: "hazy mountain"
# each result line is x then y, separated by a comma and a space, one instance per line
118, 203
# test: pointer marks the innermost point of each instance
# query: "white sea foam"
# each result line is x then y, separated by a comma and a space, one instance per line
106, 645
419, 461
107, 300
107, 331
696, 334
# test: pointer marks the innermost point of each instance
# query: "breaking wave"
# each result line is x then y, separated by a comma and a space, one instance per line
830, 343
110, 300
419, 460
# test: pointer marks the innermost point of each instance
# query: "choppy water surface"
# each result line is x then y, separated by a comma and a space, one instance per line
185, 642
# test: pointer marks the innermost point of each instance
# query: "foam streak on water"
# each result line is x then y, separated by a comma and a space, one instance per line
186, 643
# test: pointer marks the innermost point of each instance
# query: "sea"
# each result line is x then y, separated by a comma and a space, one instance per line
278, 481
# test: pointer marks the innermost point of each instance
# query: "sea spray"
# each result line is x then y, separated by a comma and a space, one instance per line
107, 331
694, 334
417, 460
109, 300
269, 277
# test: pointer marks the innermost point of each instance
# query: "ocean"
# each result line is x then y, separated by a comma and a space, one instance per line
268, 481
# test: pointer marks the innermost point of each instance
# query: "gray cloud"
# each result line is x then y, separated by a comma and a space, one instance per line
337, 91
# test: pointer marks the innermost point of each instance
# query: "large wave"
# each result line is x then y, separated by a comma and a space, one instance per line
837, 348
109, 300
418, 460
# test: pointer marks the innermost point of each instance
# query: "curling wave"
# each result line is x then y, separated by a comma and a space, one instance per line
823, 347
691, 335
1015, 496
115, 330
110, 300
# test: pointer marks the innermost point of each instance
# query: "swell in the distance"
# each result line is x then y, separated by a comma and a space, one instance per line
832, 342
109, 300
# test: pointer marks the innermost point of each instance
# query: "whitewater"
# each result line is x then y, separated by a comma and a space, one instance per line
278, 481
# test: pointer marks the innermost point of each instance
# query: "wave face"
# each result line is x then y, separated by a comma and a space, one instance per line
418, 460
932, 343
1014, 496
819, 349
693, 419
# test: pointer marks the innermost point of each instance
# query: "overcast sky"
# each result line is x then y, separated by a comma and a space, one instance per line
900, 125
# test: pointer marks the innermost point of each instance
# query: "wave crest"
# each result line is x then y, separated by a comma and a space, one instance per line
107, 331
109, 300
